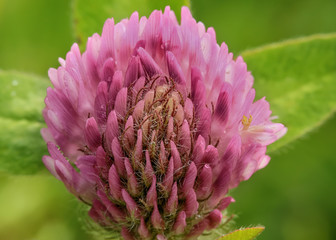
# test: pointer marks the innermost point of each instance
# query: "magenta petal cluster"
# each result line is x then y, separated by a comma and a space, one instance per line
153, 124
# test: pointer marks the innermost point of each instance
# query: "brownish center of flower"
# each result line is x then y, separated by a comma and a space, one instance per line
158, 110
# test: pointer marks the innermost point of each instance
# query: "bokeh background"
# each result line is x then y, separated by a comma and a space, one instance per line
294, 196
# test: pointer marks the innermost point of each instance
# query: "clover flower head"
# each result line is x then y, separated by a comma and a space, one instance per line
153, 124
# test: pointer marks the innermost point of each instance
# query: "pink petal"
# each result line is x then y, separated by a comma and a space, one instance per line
180, 223
204, 187
185, 138
100, 110
189, 179
169, 176
112, 128
132, 182
115, 212
118, 157
191, 204
107, 42
138, 150
131, 205
149, 172
172, 203
114, 183
198, 152
214, 219
108, 70
50, 165
126, 234
92, 134
163, 161
132, 72
151, 197
129, 137
174, 68
156, 218
149, 65
121, 103
143, 230
176, 157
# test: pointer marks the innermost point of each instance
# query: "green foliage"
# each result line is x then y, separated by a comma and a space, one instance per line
246, 24
89, 16
299, 79
21, 104
38, 207
243, 234
34, 34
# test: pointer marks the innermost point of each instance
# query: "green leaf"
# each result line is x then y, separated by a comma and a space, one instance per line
298, 78
21, 104
89, 16
243, 234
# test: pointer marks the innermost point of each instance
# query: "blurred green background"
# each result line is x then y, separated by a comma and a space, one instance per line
294, 196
